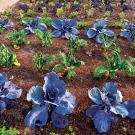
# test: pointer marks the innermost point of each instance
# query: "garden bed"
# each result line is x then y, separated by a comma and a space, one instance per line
26, 76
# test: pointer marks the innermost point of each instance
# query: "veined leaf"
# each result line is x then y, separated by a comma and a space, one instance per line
99, 71
58, 67
71, 73
51, 59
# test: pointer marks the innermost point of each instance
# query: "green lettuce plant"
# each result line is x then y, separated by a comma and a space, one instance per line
7, 58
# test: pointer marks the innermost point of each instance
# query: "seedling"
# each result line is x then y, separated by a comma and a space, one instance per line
109, 44
45, 37
68, 61
47, 21
40, 61
1, 31
113, 64
17, 38
83, 25
59, 12
7, 59
117, 24
133, 41
10, 131
73, 14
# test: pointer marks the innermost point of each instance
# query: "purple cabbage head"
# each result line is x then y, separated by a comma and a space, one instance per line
127, 31
99, 28
33, 25
106, 104
5, 24
66, 28
53, 101
8, 92
24, 7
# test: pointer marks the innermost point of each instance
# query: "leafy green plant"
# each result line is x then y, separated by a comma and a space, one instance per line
47, 21
109, 44
7, 59
71, 131
68, 6
68, 61
117, 24
133, 42
83, 25
103, 2
51, 4
73, 14
132, 60
20, 14
40, 61
1, 30
44, 12
77, 43
80, 43
25, 20
107, 14
90, 12
122, 15
10, 131
45, 37
114, 63
52, 133
31, 13
17, 38
8, 12
59, 12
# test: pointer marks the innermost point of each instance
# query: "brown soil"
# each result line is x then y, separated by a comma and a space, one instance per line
25, 76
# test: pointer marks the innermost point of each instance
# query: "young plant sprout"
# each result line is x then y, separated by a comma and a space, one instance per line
7, 58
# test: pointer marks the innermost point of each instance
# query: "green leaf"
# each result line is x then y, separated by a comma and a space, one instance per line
63, 57
51, 59
71, 73
58, 67
17, 38
132, 60
7, 59
39, 34
46, 21
117, 24
39, 61
99, 71
112, 75
10, 131
1, 30
26, 20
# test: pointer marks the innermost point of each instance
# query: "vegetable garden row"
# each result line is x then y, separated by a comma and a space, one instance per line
55, 56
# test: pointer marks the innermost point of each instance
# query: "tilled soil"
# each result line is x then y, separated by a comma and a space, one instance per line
25, 76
